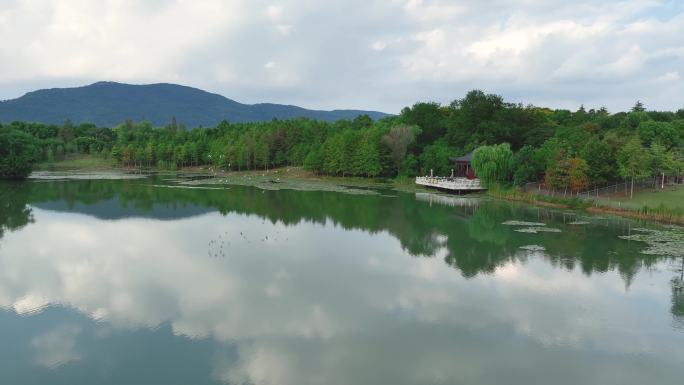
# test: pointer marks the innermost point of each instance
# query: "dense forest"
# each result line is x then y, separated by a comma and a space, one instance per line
514, 143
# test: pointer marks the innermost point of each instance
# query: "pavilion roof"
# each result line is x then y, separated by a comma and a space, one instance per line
463, 159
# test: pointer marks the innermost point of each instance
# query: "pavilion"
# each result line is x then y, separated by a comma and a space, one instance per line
462, 167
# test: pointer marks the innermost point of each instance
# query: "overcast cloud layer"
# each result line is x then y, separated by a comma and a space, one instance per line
355, 53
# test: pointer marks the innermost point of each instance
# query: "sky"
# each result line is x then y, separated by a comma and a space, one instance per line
367, 54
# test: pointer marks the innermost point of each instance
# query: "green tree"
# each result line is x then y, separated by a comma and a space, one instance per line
117, 154
600, 157
409, 167
493, 163
633, 162
662, 162
333, 155
579, 178
526, 166
49, 155
638, 107
557, 175
370, 156
430, 117
476, 119
148, 154
314, 160
18, 152
398, 140
435, 157
663, 133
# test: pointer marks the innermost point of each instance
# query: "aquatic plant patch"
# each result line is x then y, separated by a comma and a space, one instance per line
269, 183
644, 230
188, 187
84, 175
522, 223
533, 248
666, 243
535, 230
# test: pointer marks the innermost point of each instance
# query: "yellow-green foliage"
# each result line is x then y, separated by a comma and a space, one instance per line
493, 163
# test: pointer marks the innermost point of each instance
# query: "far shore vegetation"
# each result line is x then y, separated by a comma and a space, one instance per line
567, 151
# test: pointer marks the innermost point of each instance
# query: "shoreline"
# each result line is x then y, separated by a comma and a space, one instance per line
298, 174
267, 179
661, 215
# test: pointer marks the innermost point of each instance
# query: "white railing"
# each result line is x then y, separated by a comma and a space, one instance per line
447, 200
456, 184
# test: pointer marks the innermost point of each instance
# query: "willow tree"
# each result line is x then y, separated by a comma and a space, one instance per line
493, 163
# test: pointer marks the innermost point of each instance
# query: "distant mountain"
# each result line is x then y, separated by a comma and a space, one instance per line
107, 104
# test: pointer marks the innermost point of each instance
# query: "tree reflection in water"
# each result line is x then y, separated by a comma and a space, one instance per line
14, 210
467, 233
475, 240
677, 308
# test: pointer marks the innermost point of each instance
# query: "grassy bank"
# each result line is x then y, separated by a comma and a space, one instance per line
670, 197
662, 213
514, 194
646, 207
81, 163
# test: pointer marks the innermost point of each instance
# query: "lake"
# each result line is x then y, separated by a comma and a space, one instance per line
156, 281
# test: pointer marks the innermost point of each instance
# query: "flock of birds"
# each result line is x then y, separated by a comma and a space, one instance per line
216, 248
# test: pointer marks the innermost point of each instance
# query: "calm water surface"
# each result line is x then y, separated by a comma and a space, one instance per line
134, 282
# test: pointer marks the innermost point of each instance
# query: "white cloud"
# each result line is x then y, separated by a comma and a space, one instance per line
379, 45
434, 11
670, 77
292, 315
284, 29
274, 11
547, 52
56, 347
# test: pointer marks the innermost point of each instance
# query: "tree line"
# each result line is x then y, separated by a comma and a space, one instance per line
590, 147
513, 143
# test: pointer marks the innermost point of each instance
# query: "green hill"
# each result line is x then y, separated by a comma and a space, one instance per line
108, 103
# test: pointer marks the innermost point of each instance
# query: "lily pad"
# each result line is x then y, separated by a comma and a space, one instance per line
522, 223
535, 230
644, 230
533, 248
667, 243
187, 187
